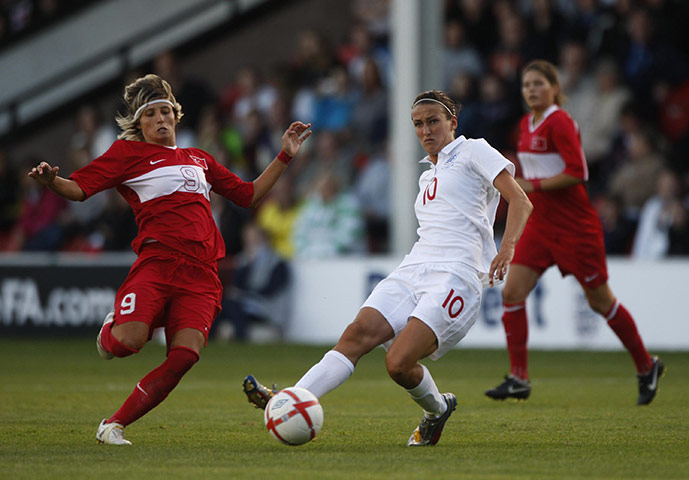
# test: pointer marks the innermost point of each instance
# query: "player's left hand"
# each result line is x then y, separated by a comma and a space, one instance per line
294, 136
498, 267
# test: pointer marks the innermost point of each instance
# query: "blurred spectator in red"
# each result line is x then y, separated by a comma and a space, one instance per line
38, 226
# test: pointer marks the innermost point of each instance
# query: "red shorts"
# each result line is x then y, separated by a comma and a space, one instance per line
581, 255
166, 289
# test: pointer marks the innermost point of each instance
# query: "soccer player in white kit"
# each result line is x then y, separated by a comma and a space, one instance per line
431, 300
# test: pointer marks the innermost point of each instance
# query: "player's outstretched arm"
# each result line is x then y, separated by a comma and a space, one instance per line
292, 139
47, 176
518, 212
557, 182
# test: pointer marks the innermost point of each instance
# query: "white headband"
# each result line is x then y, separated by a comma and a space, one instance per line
436, 101
143, 107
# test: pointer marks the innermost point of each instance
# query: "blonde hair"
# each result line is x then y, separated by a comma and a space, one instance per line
139, 92
549, 71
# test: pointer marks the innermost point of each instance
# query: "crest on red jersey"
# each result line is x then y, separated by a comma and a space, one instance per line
539, 144
200, 161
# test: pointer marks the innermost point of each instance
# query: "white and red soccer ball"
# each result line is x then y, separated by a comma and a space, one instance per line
294, 416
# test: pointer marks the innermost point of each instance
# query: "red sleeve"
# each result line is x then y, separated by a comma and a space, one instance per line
228, 184
565, 137
104, 172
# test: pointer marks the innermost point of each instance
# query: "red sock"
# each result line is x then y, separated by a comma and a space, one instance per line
517, 332
622, 323
113, 345
155, 387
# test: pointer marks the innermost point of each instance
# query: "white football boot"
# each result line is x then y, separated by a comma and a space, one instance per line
109, 318
111, 434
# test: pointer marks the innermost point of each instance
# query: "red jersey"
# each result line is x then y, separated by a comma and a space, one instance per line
168, 189
545, 149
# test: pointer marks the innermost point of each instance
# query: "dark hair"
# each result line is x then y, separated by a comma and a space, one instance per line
549, 71
439, 96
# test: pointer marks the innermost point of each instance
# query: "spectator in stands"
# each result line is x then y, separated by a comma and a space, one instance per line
372, 190
663, 222
192, 92
259, 290
328, 157
497, 112
10, 195
618, 230
38, 227
334, 101
330, 223
369, 123
91, 134
458, 56
634, 182
545, 27
464, 91
277, 216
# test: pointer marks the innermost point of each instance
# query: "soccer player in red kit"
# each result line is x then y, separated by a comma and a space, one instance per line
563, 230
174, 282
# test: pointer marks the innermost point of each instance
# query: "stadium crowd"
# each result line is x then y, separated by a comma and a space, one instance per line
625, 74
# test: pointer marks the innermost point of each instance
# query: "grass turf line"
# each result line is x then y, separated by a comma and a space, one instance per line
580, 422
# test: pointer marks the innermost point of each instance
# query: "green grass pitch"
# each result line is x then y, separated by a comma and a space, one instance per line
581, 421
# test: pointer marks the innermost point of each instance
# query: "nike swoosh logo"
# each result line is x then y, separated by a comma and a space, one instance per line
589, 278
153, 162
511, 389
653, 384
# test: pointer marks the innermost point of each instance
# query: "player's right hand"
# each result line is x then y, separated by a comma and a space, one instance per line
44, 174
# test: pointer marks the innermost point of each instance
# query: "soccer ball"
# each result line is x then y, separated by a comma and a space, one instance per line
294, 416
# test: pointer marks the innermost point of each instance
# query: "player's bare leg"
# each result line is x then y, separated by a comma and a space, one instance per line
417, 341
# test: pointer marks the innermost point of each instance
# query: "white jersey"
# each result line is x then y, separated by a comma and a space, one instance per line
456, 206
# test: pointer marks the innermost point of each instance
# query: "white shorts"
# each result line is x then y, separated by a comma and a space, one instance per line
446, 298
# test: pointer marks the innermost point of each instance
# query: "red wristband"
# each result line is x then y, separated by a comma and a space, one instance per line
536, 183
284, 157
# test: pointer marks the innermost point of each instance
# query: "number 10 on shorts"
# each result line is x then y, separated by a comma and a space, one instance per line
454, 304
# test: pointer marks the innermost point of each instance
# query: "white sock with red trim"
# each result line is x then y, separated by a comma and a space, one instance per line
328, 374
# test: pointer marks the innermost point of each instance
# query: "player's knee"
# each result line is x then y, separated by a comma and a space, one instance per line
357, 340
134, 342
512, 295
398, 367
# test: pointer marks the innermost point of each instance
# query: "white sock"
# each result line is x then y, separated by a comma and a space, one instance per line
426, 394
328, 374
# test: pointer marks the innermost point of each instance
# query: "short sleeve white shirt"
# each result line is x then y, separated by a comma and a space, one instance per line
456, 206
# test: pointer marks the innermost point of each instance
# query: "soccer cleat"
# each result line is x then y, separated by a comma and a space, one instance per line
109, 318
429, 430
111, 434
257, 394
648, 382
512, 387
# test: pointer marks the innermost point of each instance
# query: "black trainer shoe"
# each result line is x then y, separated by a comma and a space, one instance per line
648, 383
257, 394
512, 387
429, 430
